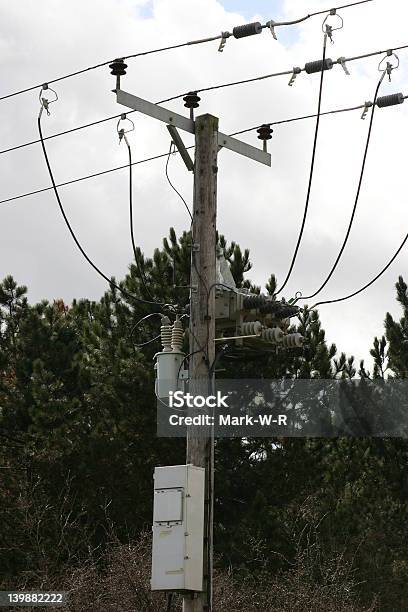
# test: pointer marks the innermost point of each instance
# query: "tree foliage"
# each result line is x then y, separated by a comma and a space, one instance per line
78, 442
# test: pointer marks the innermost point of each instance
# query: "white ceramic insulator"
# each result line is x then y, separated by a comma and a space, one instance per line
166, 333
293, 340
273, 334
177, 336
251, 328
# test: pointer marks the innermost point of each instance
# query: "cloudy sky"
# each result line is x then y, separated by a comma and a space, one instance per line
259, 207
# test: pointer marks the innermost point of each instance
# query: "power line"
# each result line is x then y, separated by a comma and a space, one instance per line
347, 297
162, 155
94, 266
302, 227
236, 33
204, 89
360, 181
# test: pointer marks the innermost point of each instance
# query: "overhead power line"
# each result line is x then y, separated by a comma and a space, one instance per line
204, 89
162, 155
302, 227
238, 32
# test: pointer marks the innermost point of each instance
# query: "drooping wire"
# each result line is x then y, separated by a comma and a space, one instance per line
347, 297
71, 231
132, 235
302, 227
360, 181
171, 184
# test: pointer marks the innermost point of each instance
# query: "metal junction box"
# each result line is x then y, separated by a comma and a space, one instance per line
178, 528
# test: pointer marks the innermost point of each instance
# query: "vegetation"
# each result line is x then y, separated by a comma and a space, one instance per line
301, 524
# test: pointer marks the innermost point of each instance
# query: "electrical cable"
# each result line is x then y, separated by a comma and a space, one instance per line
91, 263
171, 184
132, 236
211, 88
311, 170
356, 200
162, 49
161, 155
347, 297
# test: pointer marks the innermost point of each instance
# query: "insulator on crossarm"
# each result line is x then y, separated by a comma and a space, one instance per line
293, 340
177, 336
166, 334
317, 66
248, 29
391, 100
265, 133
251, 328
272, 334
118, 69
192, 101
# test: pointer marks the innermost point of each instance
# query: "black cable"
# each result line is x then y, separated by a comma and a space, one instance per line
132, 236
91, 263
311, 171
360, 181
371, 282
172, 186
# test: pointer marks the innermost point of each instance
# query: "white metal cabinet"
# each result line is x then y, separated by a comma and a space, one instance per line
178, 528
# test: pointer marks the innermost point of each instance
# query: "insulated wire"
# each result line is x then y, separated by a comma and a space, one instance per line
132, 236
54, 187
347, 297
171, 184
310, 173
360, 181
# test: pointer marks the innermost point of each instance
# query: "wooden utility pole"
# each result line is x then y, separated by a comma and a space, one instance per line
202, 326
